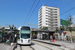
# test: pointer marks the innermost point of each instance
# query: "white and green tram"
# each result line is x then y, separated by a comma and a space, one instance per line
24, 35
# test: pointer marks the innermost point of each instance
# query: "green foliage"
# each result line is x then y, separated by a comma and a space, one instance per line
45, 28
33, 33
73, 29
56, 29
56, 34
70, 22
61, 28
14, 27
39, 30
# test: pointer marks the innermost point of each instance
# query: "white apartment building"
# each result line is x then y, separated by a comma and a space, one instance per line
48, 17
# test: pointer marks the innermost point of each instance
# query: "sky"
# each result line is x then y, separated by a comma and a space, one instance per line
16, 11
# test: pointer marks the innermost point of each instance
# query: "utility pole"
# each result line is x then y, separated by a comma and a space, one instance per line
31, 24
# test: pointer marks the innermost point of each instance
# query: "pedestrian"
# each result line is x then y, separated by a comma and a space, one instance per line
5, 38
15, 37
53, 38
7, 42
50, 38
10, 38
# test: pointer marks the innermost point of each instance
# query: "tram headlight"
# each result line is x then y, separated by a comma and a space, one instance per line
21, 40
28, 41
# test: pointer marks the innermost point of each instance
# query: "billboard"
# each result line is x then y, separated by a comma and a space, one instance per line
64, 22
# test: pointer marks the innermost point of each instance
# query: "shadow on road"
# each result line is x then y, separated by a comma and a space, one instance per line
26, 45
32, 44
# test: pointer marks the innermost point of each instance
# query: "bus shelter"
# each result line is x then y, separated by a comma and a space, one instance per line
0, 36
42, 34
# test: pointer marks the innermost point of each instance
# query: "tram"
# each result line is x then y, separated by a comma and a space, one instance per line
24, 35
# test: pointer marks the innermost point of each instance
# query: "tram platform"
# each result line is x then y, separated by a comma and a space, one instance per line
58, 43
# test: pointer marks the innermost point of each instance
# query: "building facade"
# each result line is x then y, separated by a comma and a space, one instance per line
49, 17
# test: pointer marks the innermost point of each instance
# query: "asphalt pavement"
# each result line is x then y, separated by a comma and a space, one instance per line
40, 46
61, 43
4, 46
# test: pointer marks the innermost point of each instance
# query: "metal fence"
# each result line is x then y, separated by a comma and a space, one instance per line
68, 38
73, 38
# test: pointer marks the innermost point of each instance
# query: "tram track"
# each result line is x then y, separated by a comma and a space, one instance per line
47, 46
44, 46
21, 47
39, 46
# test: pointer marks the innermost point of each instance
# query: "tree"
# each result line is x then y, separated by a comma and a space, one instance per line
57, 30
45, 28
14, 28
61, 28
69, 24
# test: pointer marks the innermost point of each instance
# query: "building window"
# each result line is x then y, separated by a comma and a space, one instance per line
55, 14
55, 24
51, 20
46, 18
51, 17
46, 10
51, 28
46, 24
46, 15
51, 12
46, 21
51, 25
55, 17
54, 9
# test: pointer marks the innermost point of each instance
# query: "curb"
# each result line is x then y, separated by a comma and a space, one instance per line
48, 42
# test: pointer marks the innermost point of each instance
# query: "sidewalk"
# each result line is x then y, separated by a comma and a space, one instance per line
60, 43
7, 47
4, 46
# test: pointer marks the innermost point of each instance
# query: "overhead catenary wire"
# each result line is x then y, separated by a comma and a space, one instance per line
67, 11
33, 10
63, 13
59, 15
30, 10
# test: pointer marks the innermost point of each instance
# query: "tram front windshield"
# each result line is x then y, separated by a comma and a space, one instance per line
25, 32
25, 36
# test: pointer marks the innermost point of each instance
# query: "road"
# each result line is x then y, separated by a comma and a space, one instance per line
4, 46
40, 46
